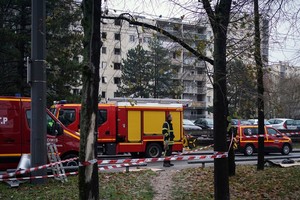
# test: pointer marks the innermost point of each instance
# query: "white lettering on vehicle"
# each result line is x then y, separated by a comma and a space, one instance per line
3, 120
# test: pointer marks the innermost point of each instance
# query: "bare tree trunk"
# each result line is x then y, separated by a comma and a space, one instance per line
260, 88
88, 175
219, 20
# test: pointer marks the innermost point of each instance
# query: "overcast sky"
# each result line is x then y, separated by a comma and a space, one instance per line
283, 47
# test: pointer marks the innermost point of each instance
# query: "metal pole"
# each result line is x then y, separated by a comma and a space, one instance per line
38, 89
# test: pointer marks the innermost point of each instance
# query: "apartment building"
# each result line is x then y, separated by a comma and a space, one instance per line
119, 36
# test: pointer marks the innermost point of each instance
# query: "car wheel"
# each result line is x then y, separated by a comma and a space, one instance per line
249, 149
286, 149
154, 150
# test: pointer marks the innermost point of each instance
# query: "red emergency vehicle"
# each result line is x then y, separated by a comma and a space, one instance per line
15, 116
274, 141
129, 126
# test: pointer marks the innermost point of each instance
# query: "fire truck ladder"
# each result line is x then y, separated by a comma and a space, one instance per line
151, 100
57, 169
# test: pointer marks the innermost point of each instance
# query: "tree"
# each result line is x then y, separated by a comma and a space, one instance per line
136, 74
88, 175
242, 94
63, 47
162, 72
15, 46
148, 73
64, 44
219, 19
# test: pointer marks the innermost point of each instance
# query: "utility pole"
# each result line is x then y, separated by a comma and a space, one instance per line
37, 80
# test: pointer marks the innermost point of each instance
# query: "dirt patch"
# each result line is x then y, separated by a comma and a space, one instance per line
162, 184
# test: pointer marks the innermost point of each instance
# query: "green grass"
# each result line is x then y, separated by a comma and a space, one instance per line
272, 183
248, 183
133, 185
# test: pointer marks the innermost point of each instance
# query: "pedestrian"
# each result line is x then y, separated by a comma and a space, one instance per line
167, 131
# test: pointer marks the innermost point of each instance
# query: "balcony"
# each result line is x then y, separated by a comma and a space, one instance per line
198, 104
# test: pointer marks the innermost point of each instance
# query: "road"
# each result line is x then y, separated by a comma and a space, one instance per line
240, 159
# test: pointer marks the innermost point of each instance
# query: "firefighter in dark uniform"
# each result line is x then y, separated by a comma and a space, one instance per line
167, 131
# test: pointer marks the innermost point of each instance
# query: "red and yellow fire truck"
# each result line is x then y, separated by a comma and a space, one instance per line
129, 125
15, 117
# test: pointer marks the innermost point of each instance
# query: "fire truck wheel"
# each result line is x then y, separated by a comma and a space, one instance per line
192, 143
154, 150
137, 154
286, 149
70, 163
249, 149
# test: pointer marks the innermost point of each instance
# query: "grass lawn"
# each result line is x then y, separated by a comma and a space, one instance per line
194, 183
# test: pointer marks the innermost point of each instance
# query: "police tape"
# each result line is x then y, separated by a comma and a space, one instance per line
216, 155
196, 150
277, 134
115, 164
103, 168
24, 171
38, 177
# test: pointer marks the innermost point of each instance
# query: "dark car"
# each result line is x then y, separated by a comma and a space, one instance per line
188, 125
204, 123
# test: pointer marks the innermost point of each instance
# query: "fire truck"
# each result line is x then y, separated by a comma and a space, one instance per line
15, 117
129, 125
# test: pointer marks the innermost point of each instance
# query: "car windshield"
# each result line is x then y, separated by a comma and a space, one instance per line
210, 122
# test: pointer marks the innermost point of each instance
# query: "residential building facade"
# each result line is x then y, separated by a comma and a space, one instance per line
119, 36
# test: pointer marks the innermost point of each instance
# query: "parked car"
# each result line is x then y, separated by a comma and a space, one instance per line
188, 125
237, 122
283, 123
255, 122
297, 123
247, 140
205, 123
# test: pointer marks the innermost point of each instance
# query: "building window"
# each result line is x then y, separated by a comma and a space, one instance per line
117, 66
104, 79
104, 35
117, 94
209, 99
117, 36
200, 70
117, 80
147, 39
118, 22
103, 50
103, 94
104, 64
131, 38
117, 51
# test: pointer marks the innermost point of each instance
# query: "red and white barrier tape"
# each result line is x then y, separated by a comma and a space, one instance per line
196, 150
116, 164
34, 168
171, 158
278, 134
37, 177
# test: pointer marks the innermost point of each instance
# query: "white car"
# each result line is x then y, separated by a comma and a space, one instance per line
255, 122
282, 123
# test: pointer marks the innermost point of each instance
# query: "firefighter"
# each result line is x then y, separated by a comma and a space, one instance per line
167, 131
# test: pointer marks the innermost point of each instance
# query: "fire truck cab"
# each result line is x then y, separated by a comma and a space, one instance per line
129, 125
15, 117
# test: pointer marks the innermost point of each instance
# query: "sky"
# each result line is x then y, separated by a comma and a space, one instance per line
284, 43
